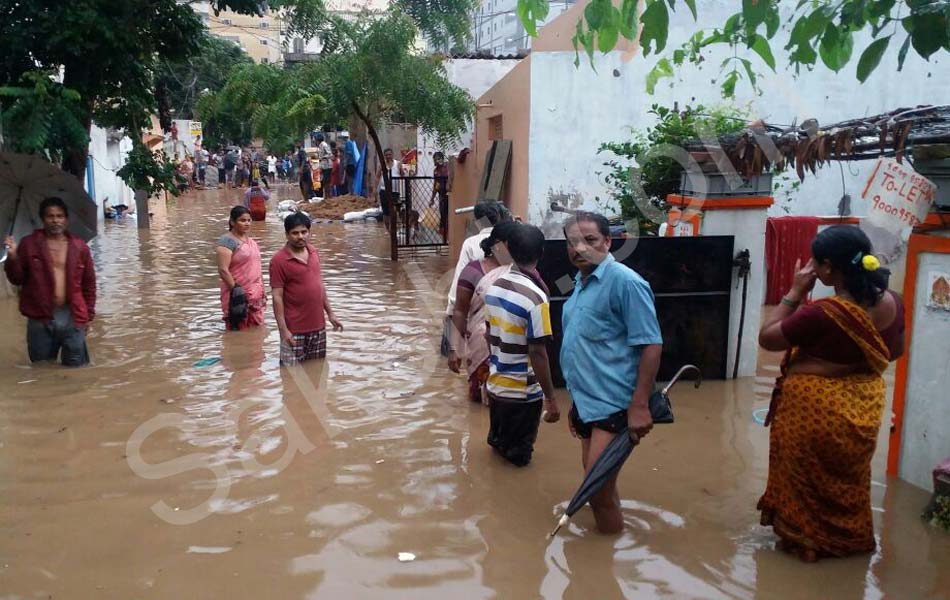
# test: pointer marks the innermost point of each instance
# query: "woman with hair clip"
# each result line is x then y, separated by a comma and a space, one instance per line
239, 264
827, 404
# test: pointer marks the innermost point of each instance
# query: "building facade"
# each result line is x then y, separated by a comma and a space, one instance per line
496, 29
260, 37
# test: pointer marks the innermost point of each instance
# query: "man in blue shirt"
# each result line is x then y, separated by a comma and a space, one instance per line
610, 352
351, 158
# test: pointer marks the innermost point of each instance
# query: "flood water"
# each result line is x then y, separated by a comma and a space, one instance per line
145, 476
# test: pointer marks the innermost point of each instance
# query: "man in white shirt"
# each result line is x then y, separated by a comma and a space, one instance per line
487, 215
325, 156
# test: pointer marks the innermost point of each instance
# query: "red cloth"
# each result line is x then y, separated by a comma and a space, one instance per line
811, 329
787, 239
32, 270
303, 289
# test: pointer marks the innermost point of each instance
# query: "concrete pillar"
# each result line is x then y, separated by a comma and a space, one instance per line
744, 219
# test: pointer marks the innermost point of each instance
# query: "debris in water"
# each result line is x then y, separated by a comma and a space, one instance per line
380, 461
27, 381
406, 557
208, 549
61, 429
207, 362
168, 400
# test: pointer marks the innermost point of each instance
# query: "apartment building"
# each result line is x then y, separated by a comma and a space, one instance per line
260, 37
497, 30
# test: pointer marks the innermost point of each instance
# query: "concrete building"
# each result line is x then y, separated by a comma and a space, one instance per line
496, 29
297, 49
557, 115
260, 37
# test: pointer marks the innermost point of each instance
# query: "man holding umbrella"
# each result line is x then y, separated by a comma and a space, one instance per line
58, 286
610, 352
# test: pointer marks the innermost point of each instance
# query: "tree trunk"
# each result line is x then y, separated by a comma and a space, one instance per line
75, 157
141, 209
387, 183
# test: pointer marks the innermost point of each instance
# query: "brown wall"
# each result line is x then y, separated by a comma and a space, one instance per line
510, 98
556, 36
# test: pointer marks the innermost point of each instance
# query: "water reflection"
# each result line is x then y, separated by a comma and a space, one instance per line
331, 469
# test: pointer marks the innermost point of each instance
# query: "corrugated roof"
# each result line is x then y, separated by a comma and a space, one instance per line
484, 55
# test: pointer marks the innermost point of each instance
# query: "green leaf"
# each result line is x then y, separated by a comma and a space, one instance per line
772, 23
755, 12
661, 70
628, 19
597, 13
879, 8
928, 33
760, 46
679, 57
748, 69
903, 53
656, 24
729, 84
609, 32
871, 57
524, 15
692, 7
835, 48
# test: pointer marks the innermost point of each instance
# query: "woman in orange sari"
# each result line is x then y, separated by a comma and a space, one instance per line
827, 404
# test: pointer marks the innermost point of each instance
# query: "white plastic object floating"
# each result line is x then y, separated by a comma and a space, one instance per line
406, 557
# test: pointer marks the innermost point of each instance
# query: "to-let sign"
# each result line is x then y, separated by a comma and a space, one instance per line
899, 196
195, 129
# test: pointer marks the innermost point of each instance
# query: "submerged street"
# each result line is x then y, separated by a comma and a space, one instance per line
160, 472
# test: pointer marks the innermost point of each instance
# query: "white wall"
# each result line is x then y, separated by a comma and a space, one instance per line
924, 441
476, 77
574, 110
108, 155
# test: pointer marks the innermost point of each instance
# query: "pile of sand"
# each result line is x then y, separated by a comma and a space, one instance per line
335, 208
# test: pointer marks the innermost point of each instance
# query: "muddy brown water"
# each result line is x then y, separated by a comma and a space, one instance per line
145, 476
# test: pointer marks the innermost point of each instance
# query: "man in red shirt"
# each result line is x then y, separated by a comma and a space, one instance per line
300, 298
58, 287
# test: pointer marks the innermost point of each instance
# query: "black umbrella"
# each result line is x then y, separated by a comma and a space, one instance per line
237, 307
660, 408
617, 451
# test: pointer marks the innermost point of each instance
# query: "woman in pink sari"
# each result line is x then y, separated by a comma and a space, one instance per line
467, 336
239, 264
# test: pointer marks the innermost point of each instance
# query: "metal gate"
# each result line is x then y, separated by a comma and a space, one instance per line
421, 216
692, 280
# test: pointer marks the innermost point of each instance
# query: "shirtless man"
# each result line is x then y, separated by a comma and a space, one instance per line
58, 287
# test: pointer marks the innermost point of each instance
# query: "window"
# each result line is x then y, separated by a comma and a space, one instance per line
264, 25
226, 21
234, 38
298, 45
497, 51
495, 129
263, 42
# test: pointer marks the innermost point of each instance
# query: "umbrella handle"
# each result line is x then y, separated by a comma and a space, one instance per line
561, 523
684, 368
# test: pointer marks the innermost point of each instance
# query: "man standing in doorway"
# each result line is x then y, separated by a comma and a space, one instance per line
300, 298
610, 352
55, 271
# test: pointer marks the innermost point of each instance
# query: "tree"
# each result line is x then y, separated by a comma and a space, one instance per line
103, 61
818, 30
103, 51
183, 81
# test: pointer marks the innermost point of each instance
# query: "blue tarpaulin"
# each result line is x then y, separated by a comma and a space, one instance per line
360, 169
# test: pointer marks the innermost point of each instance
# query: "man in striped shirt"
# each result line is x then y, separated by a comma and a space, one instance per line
519, 327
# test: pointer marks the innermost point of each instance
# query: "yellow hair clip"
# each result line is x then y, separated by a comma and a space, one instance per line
870, 262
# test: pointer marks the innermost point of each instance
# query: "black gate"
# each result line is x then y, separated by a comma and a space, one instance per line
420, 221
691, 278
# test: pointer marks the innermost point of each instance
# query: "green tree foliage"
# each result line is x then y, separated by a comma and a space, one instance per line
40, 116
644, 170
183, 81
819, 30
104, 51
120, 57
